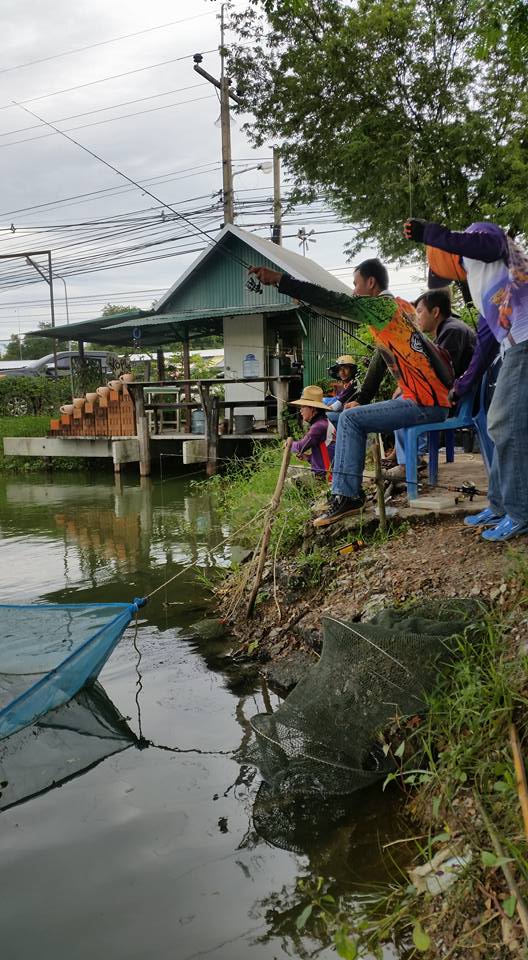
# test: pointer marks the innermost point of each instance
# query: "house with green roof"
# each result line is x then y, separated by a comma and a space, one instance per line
212, 297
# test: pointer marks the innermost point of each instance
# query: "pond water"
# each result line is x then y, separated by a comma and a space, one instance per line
154, 852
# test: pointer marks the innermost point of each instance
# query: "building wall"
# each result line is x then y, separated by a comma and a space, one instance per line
324, 343
243, 335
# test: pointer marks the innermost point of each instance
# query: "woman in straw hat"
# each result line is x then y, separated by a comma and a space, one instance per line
319, 442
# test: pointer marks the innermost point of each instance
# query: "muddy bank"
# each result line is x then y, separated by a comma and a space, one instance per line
440, 559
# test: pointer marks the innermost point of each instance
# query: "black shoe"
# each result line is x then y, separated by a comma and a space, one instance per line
338, 508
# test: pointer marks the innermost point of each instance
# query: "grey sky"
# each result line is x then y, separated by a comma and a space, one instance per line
181, 140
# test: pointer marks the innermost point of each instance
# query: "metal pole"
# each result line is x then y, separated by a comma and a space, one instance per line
65, 298
277, 207
227, 172
52, 307
67, 311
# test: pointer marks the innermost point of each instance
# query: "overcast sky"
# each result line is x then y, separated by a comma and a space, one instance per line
166, 138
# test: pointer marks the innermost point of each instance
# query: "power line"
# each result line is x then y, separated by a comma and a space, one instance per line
106, 190
102, 43
109, 191
92, 83
113, 106
97, 123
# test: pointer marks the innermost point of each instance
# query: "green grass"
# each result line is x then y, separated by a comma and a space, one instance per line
31, 427
244, 491
459, 759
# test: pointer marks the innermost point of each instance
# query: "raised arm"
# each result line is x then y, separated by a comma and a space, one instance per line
475, 244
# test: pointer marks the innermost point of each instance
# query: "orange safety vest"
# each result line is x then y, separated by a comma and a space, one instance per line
423, 370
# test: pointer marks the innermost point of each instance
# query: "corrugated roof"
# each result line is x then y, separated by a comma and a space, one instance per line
302, 268
197, 315
160, 326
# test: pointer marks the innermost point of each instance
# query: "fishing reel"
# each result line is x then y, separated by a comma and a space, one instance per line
254, 285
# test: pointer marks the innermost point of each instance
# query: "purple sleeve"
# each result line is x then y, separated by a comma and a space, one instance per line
485, 351
477, 246
348, 393
315, 436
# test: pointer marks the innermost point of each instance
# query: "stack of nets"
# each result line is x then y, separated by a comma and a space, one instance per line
325, 739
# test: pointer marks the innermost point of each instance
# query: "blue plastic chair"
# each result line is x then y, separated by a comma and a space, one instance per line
462, 417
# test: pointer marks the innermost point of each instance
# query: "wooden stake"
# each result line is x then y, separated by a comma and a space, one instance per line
270, 518
520, 775
380, 488
522, 910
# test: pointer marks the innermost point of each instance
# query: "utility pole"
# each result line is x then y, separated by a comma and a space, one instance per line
276, 235
225, 116
49, 281
225, 95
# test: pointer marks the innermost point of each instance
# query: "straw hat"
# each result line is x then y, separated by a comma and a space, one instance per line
310, 397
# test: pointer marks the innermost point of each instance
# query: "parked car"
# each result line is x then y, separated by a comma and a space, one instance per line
23, 403
45, 365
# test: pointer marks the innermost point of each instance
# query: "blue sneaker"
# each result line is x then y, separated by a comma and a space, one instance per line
486, 518
505, 530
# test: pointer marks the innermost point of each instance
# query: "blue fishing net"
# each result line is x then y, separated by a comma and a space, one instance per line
48, 652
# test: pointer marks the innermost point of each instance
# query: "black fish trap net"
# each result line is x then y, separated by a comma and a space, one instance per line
325, 739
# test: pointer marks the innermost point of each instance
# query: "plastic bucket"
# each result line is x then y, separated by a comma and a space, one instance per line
243, 422
198, 421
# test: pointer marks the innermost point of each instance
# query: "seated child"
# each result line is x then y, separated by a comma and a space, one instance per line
344, 369
319, 442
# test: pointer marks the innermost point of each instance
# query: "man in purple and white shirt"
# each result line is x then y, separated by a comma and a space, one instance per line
496, 270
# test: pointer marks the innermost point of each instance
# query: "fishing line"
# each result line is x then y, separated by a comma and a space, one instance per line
196, 229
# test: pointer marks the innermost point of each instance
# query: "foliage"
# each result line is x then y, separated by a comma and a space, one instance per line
114, 308
35, 395
244, 491
390, 105
109, 310
31, 348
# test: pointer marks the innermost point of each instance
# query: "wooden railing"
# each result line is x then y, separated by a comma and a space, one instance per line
143, 394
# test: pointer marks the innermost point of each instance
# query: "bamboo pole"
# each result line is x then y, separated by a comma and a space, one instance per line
522, 910
520, 775
270, 518
379, 487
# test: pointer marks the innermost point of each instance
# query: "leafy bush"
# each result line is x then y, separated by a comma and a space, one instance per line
21, 396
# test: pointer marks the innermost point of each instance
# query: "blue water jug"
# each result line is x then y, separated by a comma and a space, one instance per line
250, 366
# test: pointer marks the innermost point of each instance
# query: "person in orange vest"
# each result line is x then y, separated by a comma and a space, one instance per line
423, 371
318, 444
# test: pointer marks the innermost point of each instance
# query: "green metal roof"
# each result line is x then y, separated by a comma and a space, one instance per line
213, 287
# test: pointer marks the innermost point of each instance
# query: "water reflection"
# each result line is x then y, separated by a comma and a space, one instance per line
172, 848
102, 536
64, 744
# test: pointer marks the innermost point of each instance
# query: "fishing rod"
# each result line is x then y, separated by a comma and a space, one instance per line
252, 284
194, 227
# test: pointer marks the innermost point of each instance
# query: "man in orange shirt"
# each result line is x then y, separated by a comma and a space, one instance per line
422, 371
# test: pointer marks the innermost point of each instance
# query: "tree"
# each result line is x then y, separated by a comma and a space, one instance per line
109, 310
31, 348
391, 106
